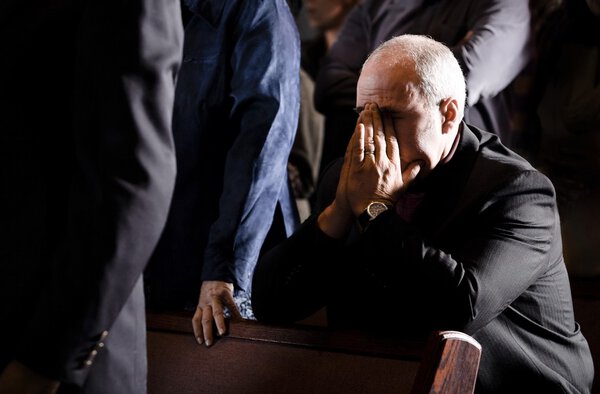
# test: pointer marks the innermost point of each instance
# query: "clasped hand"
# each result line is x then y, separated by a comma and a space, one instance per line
372, 169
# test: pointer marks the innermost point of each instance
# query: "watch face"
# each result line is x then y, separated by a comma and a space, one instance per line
375, 208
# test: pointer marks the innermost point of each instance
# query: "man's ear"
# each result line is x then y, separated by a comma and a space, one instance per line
449, 112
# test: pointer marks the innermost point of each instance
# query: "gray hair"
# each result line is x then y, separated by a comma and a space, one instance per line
438, 72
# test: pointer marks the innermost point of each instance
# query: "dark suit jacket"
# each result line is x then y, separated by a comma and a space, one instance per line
482, 254
87, 172
234, 122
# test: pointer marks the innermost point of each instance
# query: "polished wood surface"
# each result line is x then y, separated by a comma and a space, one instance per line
449, 364
586, 301
258, 358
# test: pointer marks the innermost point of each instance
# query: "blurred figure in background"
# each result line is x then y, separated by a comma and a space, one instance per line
488, 37
522, 94
569, 115
326, 17
305, 157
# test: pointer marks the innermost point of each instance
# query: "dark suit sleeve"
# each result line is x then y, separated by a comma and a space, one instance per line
128, 54
291, 281
498, 48
500, 251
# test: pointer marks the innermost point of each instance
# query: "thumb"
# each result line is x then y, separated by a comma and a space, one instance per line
229, 302
411, 173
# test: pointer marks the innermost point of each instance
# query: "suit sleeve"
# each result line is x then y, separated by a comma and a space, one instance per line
266, 100
291, 281
510, 242
462, 287
498, 49
128, 55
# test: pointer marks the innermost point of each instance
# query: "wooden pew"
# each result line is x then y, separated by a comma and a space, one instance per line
449, 365
257, 358
586, 301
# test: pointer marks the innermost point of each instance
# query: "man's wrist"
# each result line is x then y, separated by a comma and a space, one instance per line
373, 209
334, 222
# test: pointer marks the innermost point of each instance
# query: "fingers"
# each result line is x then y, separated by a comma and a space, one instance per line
354, 147
357, 142
351, 147
354, 152
204, 320
380, 138
411, 172
368, 144
226, 300
233, 309
378, 133
210, 312
207, 325
202, 324
219, 318
197, 325
386, 141
391, 141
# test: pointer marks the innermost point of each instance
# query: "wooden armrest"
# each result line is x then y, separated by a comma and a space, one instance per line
450, 364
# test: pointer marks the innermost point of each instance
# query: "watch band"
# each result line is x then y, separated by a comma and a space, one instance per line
374, 209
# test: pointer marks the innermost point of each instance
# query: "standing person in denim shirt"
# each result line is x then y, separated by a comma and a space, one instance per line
235, 118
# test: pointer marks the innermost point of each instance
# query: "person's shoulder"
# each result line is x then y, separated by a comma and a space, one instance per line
498, 172
492, 150
500, 165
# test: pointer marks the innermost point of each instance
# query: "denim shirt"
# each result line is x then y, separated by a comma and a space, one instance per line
235, 118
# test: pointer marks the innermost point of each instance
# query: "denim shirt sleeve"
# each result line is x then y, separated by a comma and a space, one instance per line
265, 104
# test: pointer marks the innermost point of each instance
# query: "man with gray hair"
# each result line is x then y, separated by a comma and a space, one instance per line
432, 224
489, 38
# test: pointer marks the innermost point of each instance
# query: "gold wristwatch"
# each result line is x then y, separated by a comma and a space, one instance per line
374, 209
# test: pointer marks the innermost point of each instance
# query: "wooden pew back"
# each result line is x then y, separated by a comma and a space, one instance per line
258, 358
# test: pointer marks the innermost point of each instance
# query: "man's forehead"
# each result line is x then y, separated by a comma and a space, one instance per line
388, 76
384, 90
